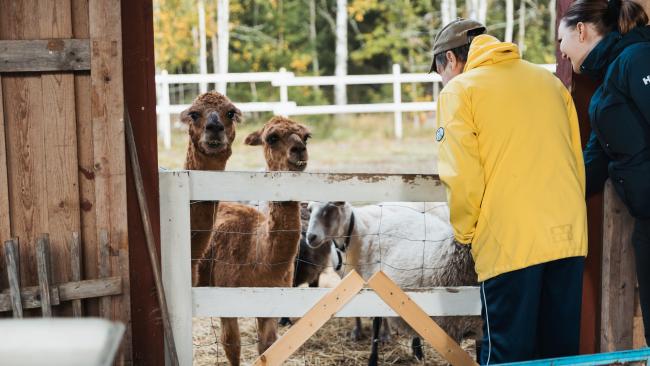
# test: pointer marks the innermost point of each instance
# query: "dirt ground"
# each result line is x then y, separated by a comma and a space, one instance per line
331, 345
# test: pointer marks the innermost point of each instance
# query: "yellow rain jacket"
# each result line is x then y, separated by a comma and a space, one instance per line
511, 159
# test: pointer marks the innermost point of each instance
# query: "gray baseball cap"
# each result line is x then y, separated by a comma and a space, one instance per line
454, 35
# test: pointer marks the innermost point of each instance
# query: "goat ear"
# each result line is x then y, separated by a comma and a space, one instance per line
254, 139
339, 203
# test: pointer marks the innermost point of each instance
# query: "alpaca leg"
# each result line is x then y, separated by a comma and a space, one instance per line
384, 337
230, 339
374, 351
357, 332
267, 333
416, 347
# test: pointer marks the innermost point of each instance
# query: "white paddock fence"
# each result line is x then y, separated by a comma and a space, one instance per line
178, 188
285, 107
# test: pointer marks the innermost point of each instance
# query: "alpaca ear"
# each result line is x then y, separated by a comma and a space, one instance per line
185, 117
254, 139
239, 117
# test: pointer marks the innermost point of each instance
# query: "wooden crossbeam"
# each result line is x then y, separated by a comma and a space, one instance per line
30, 296
419, 320
315, 318
44, 55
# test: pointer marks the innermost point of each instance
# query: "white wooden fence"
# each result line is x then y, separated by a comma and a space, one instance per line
177, 188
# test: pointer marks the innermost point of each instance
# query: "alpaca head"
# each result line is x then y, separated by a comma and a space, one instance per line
284, 142
328, 221
211, 119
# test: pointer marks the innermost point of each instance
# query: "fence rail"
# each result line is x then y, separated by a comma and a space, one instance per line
178, 188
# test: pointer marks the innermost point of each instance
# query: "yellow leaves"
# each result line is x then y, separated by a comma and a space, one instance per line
299, 63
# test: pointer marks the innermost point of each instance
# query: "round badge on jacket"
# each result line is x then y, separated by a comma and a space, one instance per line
440, 133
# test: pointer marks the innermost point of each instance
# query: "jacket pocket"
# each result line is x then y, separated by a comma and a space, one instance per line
618, 128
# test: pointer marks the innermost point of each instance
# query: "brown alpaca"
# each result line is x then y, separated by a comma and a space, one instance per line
253, 249
211, 120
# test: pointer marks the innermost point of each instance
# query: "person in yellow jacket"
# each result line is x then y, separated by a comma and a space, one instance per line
511, 160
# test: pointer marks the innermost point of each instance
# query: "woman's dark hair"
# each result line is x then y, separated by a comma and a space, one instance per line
606, 16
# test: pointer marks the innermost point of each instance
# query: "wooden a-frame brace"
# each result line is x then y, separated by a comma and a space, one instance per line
331, 303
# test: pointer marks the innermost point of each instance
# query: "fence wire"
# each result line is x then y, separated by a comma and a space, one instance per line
373, 232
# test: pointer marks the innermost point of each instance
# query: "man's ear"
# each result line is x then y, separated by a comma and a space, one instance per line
254, 139
451, 59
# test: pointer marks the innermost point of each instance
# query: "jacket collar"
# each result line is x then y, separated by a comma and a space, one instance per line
609, 48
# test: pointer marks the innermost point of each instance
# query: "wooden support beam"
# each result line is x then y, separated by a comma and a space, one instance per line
12, 256
44, 275
618, 276
324, 310
75, 265
44, 55
70, 291
5, 224
419, 320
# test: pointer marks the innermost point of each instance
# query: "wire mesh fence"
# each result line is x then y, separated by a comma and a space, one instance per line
411, 242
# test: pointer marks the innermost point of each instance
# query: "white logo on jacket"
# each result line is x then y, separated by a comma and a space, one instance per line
646, 80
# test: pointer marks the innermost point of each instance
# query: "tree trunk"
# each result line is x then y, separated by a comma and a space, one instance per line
223, 14
203, 56
340, 93
313, 41
482, 11
522, 27
445, 12
510, 19
215, 53
553, 19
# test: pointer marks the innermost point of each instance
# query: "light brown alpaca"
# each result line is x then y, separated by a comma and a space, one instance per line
253, 249
211, 120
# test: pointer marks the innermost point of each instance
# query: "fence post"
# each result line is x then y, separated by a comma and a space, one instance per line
436, 94
397, 100
175, 242
164, 124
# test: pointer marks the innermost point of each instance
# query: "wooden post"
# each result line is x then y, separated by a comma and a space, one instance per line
12, 256
164, 120
419, 320
315, 318
44, 275
75, 264
5, 226
619, 278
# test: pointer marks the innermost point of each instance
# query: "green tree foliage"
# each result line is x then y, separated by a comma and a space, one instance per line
266, 35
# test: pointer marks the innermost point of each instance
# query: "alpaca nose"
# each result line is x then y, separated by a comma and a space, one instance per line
214, 125
298, 149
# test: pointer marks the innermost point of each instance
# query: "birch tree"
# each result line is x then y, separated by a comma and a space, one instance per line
340, 93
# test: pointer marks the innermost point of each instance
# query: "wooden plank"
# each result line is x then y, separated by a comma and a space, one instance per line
175, 239
70, 291
295, 302
288, 186
26, 127
418, 320
85, 157
618, 276
30, 298
5, 223
44, 276
45, 55
315, 318
62, 193
638, 336
13, 274
90, 288
75, 265
107, 113
104, 271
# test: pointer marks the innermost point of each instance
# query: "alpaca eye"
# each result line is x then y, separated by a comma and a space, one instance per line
195, 115
230, 114
272, 139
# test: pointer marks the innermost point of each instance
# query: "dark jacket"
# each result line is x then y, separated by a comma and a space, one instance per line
619, 145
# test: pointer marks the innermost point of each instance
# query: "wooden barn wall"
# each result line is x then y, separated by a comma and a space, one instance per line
62, 151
